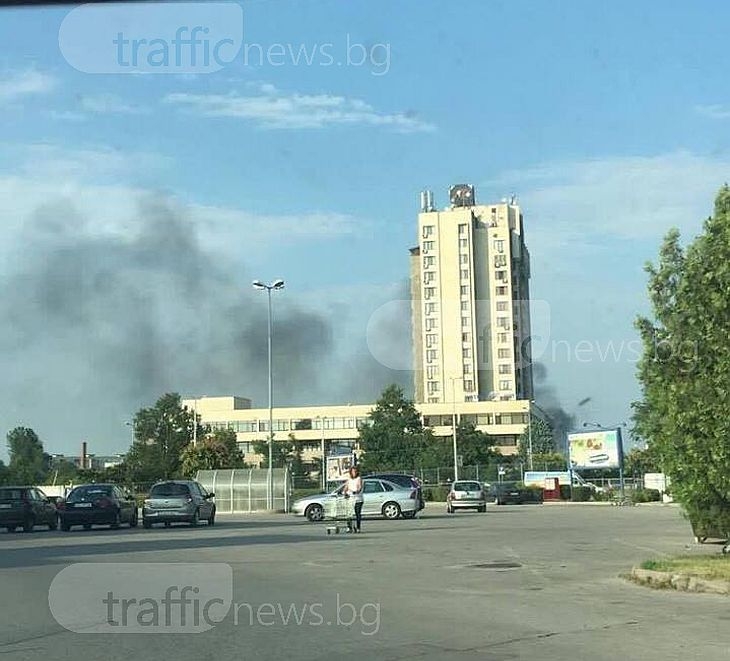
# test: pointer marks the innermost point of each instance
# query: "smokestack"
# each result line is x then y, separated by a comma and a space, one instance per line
83, 455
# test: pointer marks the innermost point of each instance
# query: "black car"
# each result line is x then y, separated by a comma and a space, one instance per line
102, 504
407, 481
26, 507
513, 493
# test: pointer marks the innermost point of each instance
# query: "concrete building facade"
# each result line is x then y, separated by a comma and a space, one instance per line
470, 302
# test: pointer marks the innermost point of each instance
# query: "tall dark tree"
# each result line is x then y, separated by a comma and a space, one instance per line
280, 452
4, 474
395, 439
27, 460
543, 440
161, 434
685, 367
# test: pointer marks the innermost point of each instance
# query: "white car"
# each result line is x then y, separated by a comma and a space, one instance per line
380, 498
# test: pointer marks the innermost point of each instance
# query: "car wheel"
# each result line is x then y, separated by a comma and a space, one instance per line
195, 520
65, 527
409, 515
211, 518
314, 512
87, 526
117, 521
29, 524
482, 509
134, 520
11, 528
53, 523
391, 510
146, 524
167, 524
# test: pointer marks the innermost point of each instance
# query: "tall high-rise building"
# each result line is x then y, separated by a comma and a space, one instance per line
470, 301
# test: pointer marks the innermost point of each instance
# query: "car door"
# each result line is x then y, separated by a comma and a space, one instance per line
204, 505
373, 496
46, 509
125, 505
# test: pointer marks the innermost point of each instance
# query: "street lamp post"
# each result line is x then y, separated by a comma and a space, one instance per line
274, 286
529, 436
324, 456
453, 428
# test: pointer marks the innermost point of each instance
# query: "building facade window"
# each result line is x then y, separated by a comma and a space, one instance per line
464, 259
466, 337
465, 322
427, 231
502, 306
465, 306
429, 292
502, 338
429, 277
431, 340
464, 274
465, 290
466, 352
433, 387
463, 243
503, 353
468, 385
432, 372
505, 385
431, 308
431, 355
505, 369
462, 229
498, 243
501, 290
467, 368
431, 323
429, 261
429, 246
503, 322
501, 276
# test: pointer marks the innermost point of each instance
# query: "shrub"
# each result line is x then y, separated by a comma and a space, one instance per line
435, 494
646, 496
581, 494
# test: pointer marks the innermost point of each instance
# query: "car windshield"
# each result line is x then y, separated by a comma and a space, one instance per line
89, 493
467, 486
169, 490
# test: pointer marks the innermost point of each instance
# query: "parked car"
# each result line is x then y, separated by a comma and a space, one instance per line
466, 494
380, 498
178, 501
512, 493
26, 507
407, 482
97, 504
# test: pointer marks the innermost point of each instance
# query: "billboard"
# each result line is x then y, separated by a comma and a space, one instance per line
595, 449
338, 467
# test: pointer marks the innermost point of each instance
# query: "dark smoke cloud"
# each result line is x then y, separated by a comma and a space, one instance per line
547, 399
96, 325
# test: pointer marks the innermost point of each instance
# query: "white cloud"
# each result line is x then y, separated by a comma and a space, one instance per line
623, 197
15, 85
713, 111
271, 108
108, 104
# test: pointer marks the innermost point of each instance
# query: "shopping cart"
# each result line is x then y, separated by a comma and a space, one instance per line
339, 511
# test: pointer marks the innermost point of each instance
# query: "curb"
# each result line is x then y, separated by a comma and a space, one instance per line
681, 582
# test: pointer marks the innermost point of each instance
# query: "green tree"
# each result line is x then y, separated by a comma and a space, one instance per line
638, 462
280, 452
218, 450
395, 439
543, 441
27, 460
685, 368
4, 473
161, 433
63, 472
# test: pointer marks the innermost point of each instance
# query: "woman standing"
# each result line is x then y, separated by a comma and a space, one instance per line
353, 489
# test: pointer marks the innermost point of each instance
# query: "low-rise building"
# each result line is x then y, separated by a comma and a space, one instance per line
503, 420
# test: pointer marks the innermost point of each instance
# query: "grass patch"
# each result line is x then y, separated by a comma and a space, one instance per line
711, 567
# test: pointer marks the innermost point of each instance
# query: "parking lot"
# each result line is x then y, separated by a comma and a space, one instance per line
519, 582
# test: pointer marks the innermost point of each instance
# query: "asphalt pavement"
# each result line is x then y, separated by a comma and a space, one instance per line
519, 582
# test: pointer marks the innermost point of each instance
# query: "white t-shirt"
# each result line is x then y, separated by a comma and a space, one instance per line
353, 487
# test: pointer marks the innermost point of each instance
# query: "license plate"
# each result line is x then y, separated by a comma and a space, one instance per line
84, 504
5, 506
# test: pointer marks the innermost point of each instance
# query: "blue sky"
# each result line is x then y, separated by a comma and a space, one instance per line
608, 120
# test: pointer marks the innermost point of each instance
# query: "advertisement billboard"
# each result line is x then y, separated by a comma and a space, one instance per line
595, 449
338, 467
537, 478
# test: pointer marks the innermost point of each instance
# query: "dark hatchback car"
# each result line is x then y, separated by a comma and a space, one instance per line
178, 501
408, 482
513, 493
26, 507
97, 504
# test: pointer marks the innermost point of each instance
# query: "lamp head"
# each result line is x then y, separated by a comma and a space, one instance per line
277, 284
